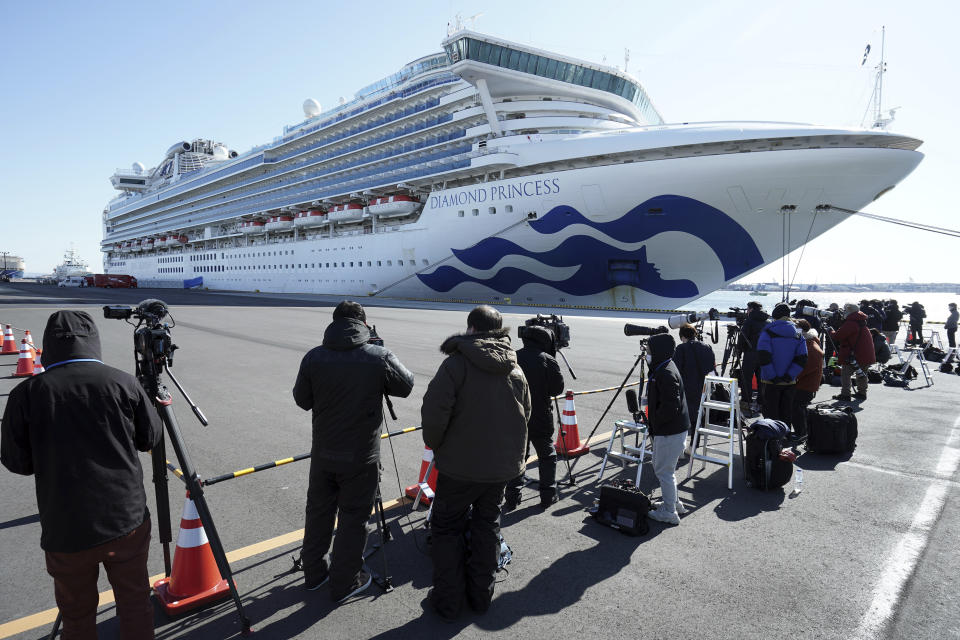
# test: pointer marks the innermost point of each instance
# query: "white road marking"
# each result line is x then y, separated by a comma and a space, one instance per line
903, 560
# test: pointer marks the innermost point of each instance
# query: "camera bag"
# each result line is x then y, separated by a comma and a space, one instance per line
622, 506
933, 354
831, 430
874, 376
766, 467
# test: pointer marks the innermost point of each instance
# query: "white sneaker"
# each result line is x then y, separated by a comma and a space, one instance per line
681, 509
660, 514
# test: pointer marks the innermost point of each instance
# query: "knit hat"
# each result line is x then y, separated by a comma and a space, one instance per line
849, 308
782, 310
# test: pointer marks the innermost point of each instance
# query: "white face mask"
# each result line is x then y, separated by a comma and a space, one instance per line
649, 359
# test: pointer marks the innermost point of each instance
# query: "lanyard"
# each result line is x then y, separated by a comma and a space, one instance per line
57, 364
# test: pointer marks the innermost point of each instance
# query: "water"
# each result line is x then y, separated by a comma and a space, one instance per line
934, 303
797, 481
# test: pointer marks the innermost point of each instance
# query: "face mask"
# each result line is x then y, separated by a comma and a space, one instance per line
649, 359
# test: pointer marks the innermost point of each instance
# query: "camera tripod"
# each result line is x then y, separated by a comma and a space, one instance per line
732, 354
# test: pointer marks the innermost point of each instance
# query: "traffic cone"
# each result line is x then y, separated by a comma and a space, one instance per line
195, 580
568, 443
25, 361
9, 342
37, 365
431, 482
29, 339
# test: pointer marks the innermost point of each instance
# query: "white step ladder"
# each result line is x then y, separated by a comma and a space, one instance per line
725, 433
918, 354
935, 340
895, 351
641, 451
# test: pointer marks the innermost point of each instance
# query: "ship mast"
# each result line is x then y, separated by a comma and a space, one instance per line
876, 98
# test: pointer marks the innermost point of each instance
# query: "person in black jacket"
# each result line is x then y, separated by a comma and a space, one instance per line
750, 363
669, 422
536, 360
891, 323
77, 428
917, 314
694, 361
343, 381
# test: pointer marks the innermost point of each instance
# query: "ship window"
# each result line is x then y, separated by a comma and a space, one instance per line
492, 210
368, 263
389, 263
460, 214
400, 262
475, 212
379, 263
351, 263
425, 261
509, 208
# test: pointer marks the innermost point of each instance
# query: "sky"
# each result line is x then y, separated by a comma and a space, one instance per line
90, 87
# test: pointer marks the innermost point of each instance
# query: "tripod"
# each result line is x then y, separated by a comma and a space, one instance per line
732, 353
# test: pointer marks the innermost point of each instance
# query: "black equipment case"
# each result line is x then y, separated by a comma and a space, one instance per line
624, 507
831, 430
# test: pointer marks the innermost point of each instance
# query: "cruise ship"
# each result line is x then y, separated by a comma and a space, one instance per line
495, 172
11, 266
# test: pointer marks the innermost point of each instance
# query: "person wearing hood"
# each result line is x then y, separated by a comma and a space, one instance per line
77, 429
474, 417
540, 368
754, 324
951, 325
874, 312
808, 382
669, 422
854, 343
917, 314
343, 382
783, 355
694, 360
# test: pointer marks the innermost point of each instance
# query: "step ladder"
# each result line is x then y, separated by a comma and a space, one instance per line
935, 340
918, 354
895, 351
639, 452
721, 451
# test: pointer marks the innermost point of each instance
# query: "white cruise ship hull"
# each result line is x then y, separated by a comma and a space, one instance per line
642, 235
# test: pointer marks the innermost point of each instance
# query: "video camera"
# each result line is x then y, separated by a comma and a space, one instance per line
152, 341
558, 329
374, 336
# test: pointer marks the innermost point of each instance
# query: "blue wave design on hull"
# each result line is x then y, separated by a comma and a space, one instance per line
603, 266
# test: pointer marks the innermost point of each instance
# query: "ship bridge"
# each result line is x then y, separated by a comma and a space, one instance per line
502, 69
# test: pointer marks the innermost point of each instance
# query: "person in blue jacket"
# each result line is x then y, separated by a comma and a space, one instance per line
783, 355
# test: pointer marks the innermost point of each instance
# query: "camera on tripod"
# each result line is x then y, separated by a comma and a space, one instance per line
558, 329
151, 338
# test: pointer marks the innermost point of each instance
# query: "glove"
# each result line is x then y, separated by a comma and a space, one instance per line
782, 379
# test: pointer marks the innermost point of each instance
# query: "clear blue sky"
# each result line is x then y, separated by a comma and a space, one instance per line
89, 87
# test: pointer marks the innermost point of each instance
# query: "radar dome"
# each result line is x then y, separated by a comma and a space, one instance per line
311, 107
138, 168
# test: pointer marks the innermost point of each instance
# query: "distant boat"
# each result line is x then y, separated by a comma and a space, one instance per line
758, 293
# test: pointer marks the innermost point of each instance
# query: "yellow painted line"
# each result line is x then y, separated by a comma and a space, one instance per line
47, 618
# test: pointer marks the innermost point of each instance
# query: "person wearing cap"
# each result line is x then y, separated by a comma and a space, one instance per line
668, 422
474, 415
783, 355
854, 344
77, 429
951, 325
542, 371
756, 320
343, 381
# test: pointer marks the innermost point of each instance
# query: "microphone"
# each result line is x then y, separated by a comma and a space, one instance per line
632, 405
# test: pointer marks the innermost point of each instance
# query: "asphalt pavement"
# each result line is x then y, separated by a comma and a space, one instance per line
867, 550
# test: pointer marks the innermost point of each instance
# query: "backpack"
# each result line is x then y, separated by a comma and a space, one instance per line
946, 367
765, 466
622, 506
715, 416
933, 354
831, 430
874, 376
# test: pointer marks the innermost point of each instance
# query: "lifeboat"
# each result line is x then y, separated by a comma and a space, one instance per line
175, 241
312, 218
350, 212
147, 244
135, 246
249, 227
393, 206
160, 242
279, 223
125, 247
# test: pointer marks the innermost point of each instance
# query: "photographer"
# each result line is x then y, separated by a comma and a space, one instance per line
694, 360
855, 346
951, 325
749, 335
543, 375
891, 324
813, 320
77, 428
808, 382
917, 314
783, 355
474, 417
669, 423
343, 381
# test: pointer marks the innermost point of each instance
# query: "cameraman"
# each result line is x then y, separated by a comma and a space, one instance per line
749, 365
343, 381
694, 361
545, 379
77, 428
891, 324
855, 346
917, 314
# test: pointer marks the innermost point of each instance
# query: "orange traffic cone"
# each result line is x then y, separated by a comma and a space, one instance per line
37, 365
25, 361
29, 339
9, 342
195, 579
430, 483
568, 442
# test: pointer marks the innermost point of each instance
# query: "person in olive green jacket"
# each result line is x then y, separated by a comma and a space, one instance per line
474, 417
